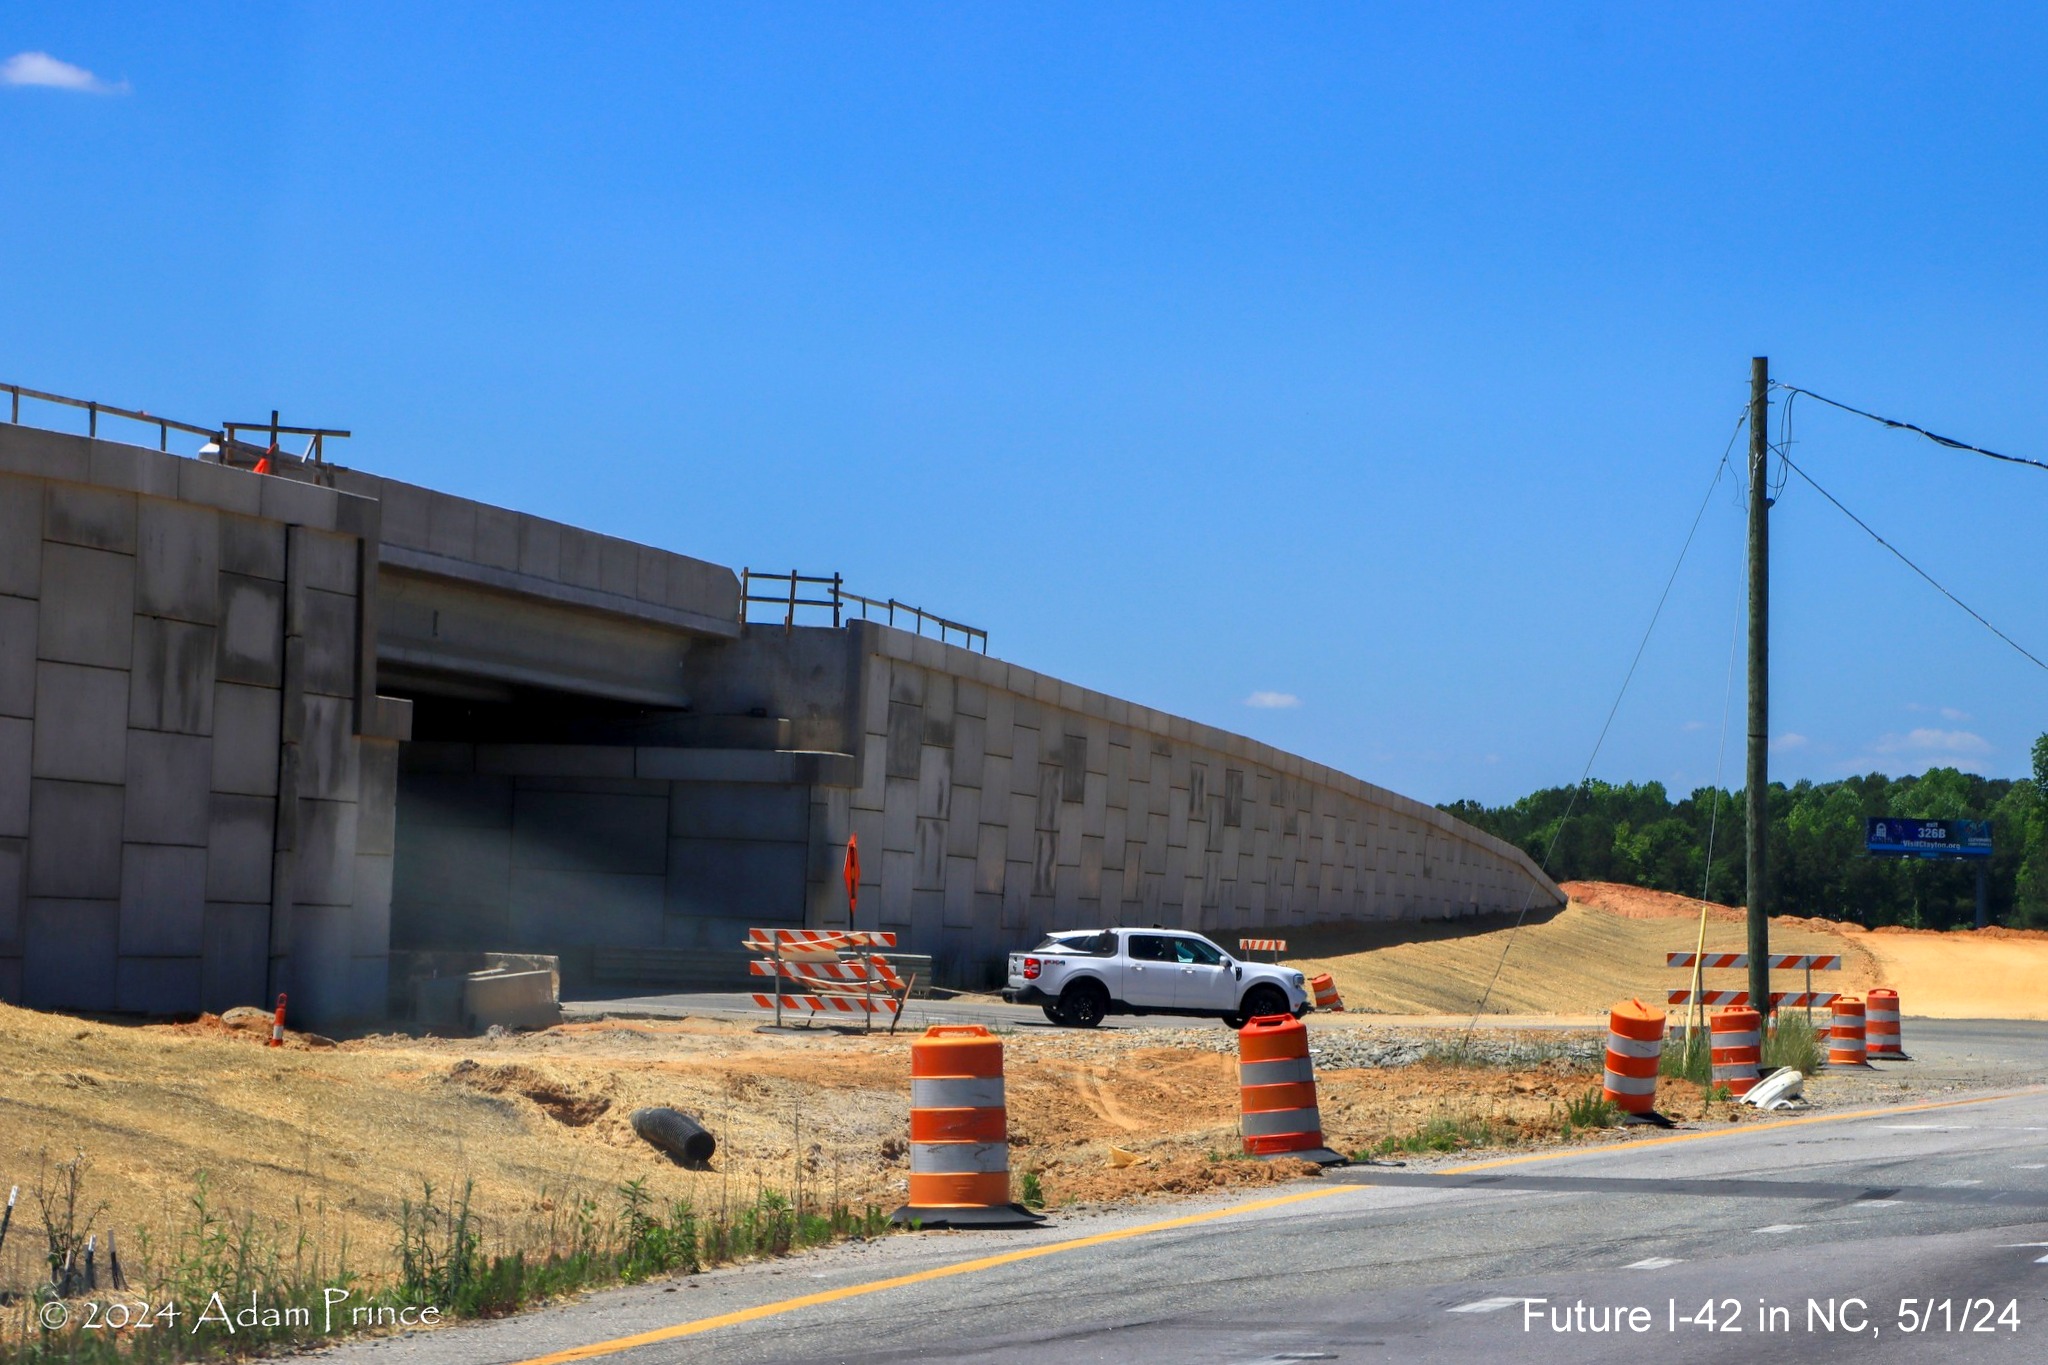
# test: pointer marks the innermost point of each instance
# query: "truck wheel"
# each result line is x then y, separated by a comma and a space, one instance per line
1054, 1013
1083, 1004
1261, 1000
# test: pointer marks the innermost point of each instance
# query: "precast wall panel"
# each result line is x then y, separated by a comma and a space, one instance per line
169, 629
993, 804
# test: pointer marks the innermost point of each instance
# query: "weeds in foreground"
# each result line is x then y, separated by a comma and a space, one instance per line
219, 1287
1031, 1194
1589, 1111
1792, 1042
1689, 1059
1445, 1133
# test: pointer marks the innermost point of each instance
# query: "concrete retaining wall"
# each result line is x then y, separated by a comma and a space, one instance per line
995, 803
202, 802
190, 816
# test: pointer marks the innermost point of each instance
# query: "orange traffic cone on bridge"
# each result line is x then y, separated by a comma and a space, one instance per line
959, 1133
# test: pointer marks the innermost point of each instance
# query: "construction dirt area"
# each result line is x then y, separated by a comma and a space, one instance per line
326, 1140
1609, 944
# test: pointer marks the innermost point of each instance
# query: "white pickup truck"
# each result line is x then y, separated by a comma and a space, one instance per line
1078, 976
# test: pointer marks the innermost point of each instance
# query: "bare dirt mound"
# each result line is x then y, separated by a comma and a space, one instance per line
1637, 902
1609, 944
1964, 975
1578, 960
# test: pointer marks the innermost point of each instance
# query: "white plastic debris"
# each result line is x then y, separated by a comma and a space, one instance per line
1779, 1090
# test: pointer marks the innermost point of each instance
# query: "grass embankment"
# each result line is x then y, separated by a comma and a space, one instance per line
218, 1286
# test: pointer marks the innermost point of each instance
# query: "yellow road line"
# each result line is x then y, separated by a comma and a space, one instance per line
853, 1291
1735, 1131
769, 1310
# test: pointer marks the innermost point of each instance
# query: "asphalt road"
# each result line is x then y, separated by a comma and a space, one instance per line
1821, 1237
919, 1014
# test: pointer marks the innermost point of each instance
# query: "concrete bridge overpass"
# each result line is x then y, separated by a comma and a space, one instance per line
258, 731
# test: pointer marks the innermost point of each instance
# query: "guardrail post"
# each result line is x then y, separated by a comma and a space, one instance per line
92, 419
836, 584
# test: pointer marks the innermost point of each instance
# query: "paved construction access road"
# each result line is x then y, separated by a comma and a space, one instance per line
987, 1009
1874, 1235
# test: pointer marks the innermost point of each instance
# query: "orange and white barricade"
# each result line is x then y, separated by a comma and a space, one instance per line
959, 1133
1278, 1115
1881, 1025
1779, 999
1845, 1036
831, 972
1738, 1048
1275, 946
1325, 988
1635, 1044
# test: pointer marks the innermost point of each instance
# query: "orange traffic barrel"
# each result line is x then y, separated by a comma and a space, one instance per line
1276, 1089
1635, 1043
1881, 1025
1737, 1036
1845, 1037
959, 1133
1325, 988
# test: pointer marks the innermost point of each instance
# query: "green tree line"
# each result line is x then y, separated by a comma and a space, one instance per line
1634, 832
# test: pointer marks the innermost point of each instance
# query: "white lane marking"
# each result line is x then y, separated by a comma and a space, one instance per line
2033, 1166
1782, 1227
1653, 1263
1922, 1127
1958, 1184
1486, 1305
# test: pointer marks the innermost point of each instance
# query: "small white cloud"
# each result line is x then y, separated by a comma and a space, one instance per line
1930, 741
1272, 701
1951, 713
40, 68
1790, 740
1693, 725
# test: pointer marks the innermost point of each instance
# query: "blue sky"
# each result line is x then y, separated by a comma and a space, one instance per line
1376, 357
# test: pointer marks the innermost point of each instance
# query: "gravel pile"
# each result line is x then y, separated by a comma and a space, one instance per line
1335, 1050
1375, 1048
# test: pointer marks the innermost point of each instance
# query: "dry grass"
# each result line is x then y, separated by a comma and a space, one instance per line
1579, 960
332, 1140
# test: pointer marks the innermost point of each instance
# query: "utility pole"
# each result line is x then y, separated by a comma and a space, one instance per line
1758, 780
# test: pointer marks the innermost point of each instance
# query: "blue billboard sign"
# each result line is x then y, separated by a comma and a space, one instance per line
1896, 837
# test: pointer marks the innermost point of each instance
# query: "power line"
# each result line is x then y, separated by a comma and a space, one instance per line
1909, 563
1557, 831
1935, 437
